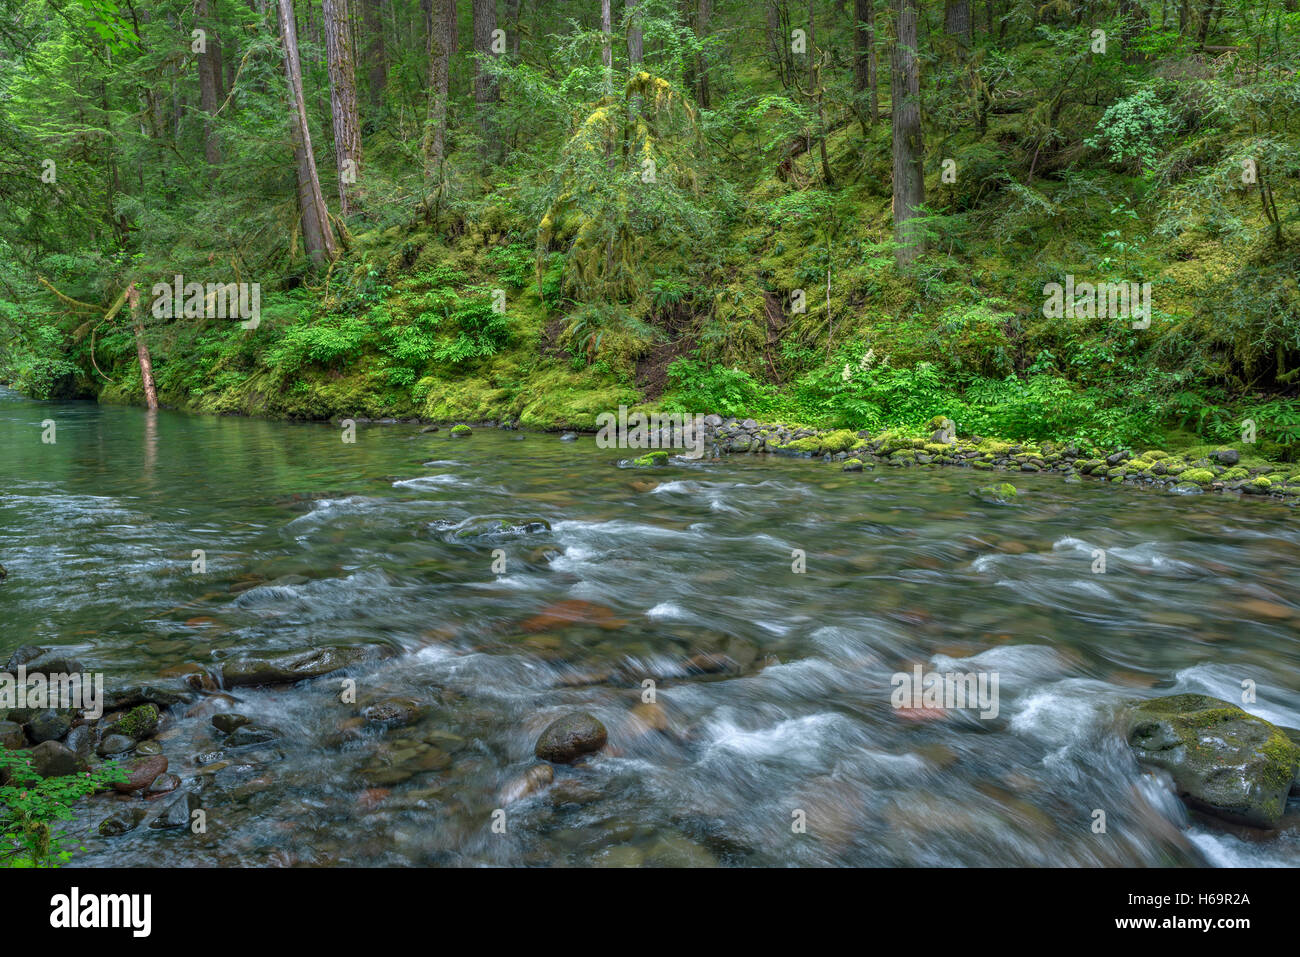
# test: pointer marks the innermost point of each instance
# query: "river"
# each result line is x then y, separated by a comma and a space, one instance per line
773, 685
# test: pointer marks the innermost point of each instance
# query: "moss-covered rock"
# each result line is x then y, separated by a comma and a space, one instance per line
140, 723
461, 431
651, 459
840, 440
1199, 476
999, 494
1223, 760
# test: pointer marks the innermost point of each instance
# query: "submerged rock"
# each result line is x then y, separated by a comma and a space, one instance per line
228, 721
570, 737
247, 734
1223, 760
536, 778
177, 813
120, 822
290, 668
393, 711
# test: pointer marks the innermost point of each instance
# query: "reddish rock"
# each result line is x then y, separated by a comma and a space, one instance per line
141, 773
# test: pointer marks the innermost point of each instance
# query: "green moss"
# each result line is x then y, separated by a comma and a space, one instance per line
1199, 476
461, 430
841, 440
139, 722
651, 459
1002, 492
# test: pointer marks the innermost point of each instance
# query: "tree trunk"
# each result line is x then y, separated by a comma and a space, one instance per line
485, 85
956, 19
634, 38
343, 101
435, 133
607, 28
372, 21
317, 233
905, 89
779, 41
142, 348
703, 13
209, 83
864, 61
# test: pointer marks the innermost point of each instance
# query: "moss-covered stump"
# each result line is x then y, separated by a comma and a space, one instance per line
1223, 761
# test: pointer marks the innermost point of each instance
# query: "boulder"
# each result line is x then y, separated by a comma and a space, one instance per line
49, 725
50, 759
1223, 761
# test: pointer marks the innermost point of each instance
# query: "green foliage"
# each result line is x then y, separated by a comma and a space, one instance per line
697, 388
1125, 165
32, 806
1134, 130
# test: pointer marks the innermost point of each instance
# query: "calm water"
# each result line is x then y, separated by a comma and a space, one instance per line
311, 541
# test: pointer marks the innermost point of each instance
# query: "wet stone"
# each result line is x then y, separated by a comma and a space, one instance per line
570, 737
228, 722
115, 744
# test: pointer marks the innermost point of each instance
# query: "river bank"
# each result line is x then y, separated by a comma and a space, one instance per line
1189, 471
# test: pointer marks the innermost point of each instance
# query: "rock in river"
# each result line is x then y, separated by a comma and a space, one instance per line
569, 737
1223, 761
141, 773
228, 721
178, 812
393, 711
286, 669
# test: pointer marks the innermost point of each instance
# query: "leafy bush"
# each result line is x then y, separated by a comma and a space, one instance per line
1133, 130
696, 387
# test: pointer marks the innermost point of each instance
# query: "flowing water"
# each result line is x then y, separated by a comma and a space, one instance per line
787, 716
